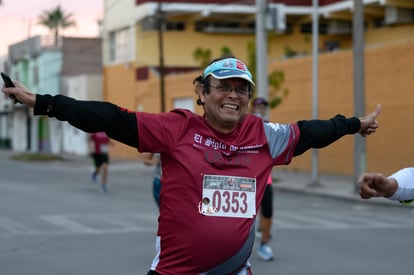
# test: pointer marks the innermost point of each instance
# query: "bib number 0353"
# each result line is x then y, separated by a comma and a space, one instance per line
226, 196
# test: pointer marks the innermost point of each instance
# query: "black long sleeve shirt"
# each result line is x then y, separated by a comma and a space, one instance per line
121, 124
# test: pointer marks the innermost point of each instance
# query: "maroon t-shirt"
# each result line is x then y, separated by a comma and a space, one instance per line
100, 142
191, 241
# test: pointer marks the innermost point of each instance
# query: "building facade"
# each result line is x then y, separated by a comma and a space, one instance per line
5, 114
70, 66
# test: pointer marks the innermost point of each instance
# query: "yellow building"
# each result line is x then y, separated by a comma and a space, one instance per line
132, 75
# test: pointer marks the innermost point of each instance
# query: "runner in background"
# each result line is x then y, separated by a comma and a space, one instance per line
153, 159
260, 108
99, 152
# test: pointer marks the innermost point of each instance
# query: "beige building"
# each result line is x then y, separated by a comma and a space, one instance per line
132, 74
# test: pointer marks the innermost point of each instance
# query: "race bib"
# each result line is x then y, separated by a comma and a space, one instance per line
227, 196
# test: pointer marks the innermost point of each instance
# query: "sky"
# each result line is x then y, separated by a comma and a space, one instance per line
19, 19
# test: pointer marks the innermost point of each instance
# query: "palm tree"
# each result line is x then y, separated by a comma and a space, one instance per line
55, 20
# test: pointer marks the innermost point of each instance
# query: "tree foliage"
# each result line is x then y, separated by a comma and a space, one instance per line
203, 56
55, 20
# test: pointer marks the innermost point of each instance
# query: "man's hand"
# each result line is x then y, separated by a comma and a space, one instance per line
369, 123
376, 185
21, 93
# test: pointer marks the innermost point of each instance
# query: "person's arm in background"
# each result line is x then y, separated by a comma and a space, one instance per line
399, 186
149, 159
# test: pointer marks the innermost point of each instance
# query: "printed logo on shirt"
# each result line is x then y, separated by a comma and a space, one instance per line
210, 142
216, 151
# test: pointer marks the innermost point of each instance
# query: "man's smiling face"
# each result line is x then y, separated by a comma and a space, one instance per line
226, 103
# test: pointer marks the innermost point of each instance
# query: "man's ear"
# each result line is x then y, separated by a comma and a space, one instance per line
201, 94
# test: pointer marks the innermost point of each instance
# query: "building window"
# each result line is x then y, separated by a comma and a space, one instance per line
174, 26
224, 27
142, 73
119, 45
378, 23
151, 24
307, 28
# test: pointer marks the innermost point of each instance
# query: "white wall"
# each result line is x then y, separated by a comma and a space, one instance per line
184, 102
66, 138
19, 130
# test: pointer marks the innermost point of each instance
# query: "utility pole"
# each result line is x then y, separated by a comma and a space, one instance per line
359, 87
315, 86
261, 50
160, 26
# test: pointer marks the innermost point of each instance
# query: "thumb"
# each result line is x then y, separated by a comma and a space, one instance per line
377, 111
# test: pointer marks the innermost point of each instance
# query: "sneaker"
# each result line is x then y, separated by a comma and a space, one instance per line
94, 176
103, 188
265, 252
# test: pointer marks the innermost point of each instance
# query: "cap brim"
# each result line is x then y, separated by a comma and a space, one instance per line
229, 73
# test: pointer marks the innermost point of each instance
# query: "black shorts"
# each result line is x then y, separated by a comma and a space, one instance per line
267, 202
100, 158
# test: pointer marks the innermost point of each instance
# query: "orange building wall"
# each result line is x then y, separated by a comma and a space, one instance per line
389, 34
178, 86
119, 89
389, 81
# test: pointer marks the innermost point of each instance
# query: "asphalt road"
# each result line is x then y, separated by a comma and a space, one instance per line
54, 221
